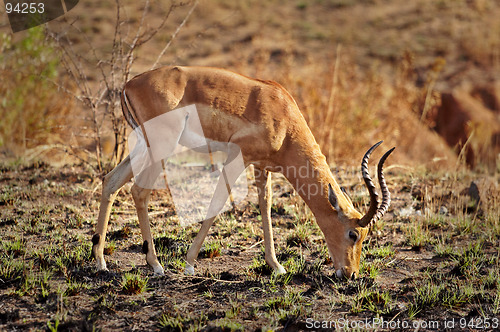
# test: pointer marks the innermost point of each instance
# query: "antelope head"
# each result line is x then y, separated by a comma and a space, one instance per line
345, 249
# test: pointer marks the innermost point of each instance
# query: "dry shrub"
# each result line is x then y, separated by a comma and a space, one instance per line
31, 107
60, 87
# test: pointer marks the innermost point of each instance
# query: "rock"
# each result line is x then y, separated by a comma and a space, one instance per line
405, 212
408, 212
473, 192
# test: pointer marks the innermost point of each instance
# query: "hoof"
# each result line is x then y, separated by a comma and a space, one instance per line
101, 265
104, 274
280, 270
159, 270
102, 271
189, 271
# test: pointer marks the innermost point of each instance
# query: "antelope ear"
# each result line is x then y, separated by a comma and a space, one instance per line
333, 199
346, 195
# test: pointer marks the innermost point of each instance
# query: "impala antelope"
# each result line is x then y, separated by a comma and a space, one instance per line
263, 120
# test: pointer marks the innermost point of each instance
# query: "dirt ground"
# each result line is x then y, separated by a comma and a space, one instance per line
433, 259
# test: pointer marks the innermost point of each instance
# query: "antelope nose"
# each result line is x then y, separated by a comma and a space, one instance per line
346, 274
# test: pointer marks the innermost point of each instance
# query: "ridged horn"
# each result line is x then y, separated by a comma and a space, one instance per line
367, 218
386, 195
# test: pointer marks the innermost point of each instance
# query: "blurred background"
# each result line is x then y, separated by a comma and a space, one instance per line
422, 75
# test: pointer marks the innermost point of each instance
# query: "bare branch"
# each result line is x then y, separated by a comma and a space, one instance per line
102, 98
174, 35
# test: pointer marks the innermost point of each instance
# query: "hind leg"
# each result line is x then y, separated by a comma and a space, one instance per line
113, 181
141, 199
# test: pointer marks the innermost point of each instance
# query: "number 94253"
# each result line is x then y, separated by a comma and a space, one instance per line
25, 8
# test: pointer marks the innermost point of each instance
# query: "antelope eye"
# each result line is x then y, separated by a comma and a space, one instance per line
353, 236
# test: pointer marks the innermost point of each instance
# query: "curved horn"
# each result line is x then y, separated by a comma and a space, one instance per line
363, 222
375, 213
386, 195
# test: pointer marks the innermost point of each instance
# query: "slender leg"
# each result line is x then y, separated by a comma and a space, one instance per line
232, 169
113, 181
193, 251
141, 199
264, 189
230, 174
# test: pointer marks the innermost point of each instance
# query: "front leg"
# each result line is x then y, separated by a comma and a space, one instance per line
264, 189
230, 173
194, 250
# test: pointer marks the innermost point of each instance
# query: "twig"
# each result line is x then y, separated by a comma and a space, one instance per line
333, 91
174, 35
254, 245
327, 132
